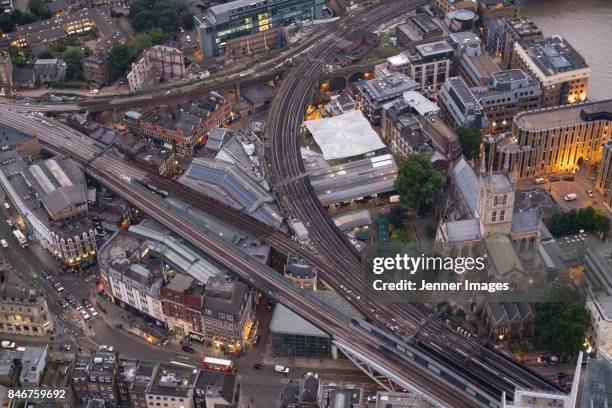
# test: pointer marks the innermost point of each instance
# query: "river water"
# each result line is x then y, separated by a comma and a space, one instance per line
587, 25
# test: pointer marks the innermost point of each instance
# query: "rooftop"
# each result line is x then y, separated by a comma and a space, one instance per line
524, 26
463, 230
347, 135
228, 183
352, 180
434, 48
173, 380
567, 115
382, 89
467, 181
553, 55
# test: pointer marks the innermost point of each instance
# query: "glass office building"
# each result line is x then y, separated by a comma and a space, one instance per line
241, 18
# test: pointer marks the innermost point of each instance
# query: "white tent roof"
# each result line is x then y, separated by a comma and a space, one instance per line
346, 135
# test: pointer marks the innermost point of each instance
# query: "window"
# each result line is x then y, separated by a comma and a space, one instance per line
494, 216
502, 214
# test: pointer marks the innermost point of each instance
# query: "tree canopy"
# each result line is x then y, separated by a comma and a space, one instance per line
122, 55
470, 140
573, 221
74, 67
39, 8
45, 54
418, 182
165, 14
561, 327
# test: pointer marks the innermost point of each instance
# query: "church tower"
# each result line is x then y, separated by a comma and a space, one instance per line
495, 200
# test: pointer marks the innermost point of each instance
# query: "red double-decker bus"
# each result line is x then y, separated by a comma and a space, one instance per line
218, 364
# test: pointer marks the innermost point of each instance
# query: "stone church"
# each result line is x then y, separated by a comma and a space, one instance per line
478, 218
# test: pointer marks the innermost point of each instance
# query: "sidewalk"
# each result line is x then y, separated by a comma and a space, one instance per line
304, 362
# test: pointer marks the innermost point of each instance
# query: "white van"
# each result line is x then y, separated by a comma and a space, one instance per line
281, 369
570, 197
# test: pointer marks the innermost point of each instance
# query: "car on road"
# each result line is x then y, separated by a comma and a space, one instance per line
568, 178
258, 366
539, 180
590, 193
90, 277
7, 344
281, 369
58, 287
4, 243
10, 223
62, 303
104, 347
553, 179
188, 349
570, 197
45, 275
93, 312
65, 347
63, 317
86, 302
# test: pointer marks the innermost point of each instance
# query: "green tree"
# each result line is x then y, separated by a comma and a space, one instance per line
16, 16
418, 182
397, 215
6, 23
470, 140
573, 221
74, 68
144, 20
561, 327
168, 20
122, 56
39, 7
45, 54
166, 14
18, 57
187, 20
27, 18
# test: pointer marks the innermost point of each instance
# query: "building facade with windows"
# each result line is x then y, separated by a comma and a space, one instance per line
50, 197
459, 105
134, 274
23, 312
507, 94
228, 312
562, 72
558, 140
225, 22
604, 177
182, 129
182, 299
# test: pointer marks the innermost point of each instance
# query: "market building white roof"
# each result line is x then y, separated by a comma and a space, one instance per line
346, 135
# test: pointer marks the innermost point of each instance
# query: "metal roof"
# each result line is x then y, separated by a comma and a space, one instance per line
346, 135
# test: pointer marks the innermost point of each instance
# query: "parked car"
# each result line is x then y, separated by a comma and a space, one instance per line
540, 180
65, 347
590, 193
570, 197
4, 243
258, 366
553, 179
568, 178
188, 349
7, 344
281, 369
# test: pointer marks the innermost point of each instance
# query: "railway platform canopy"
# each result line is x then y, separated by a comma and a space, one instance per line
347, 135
